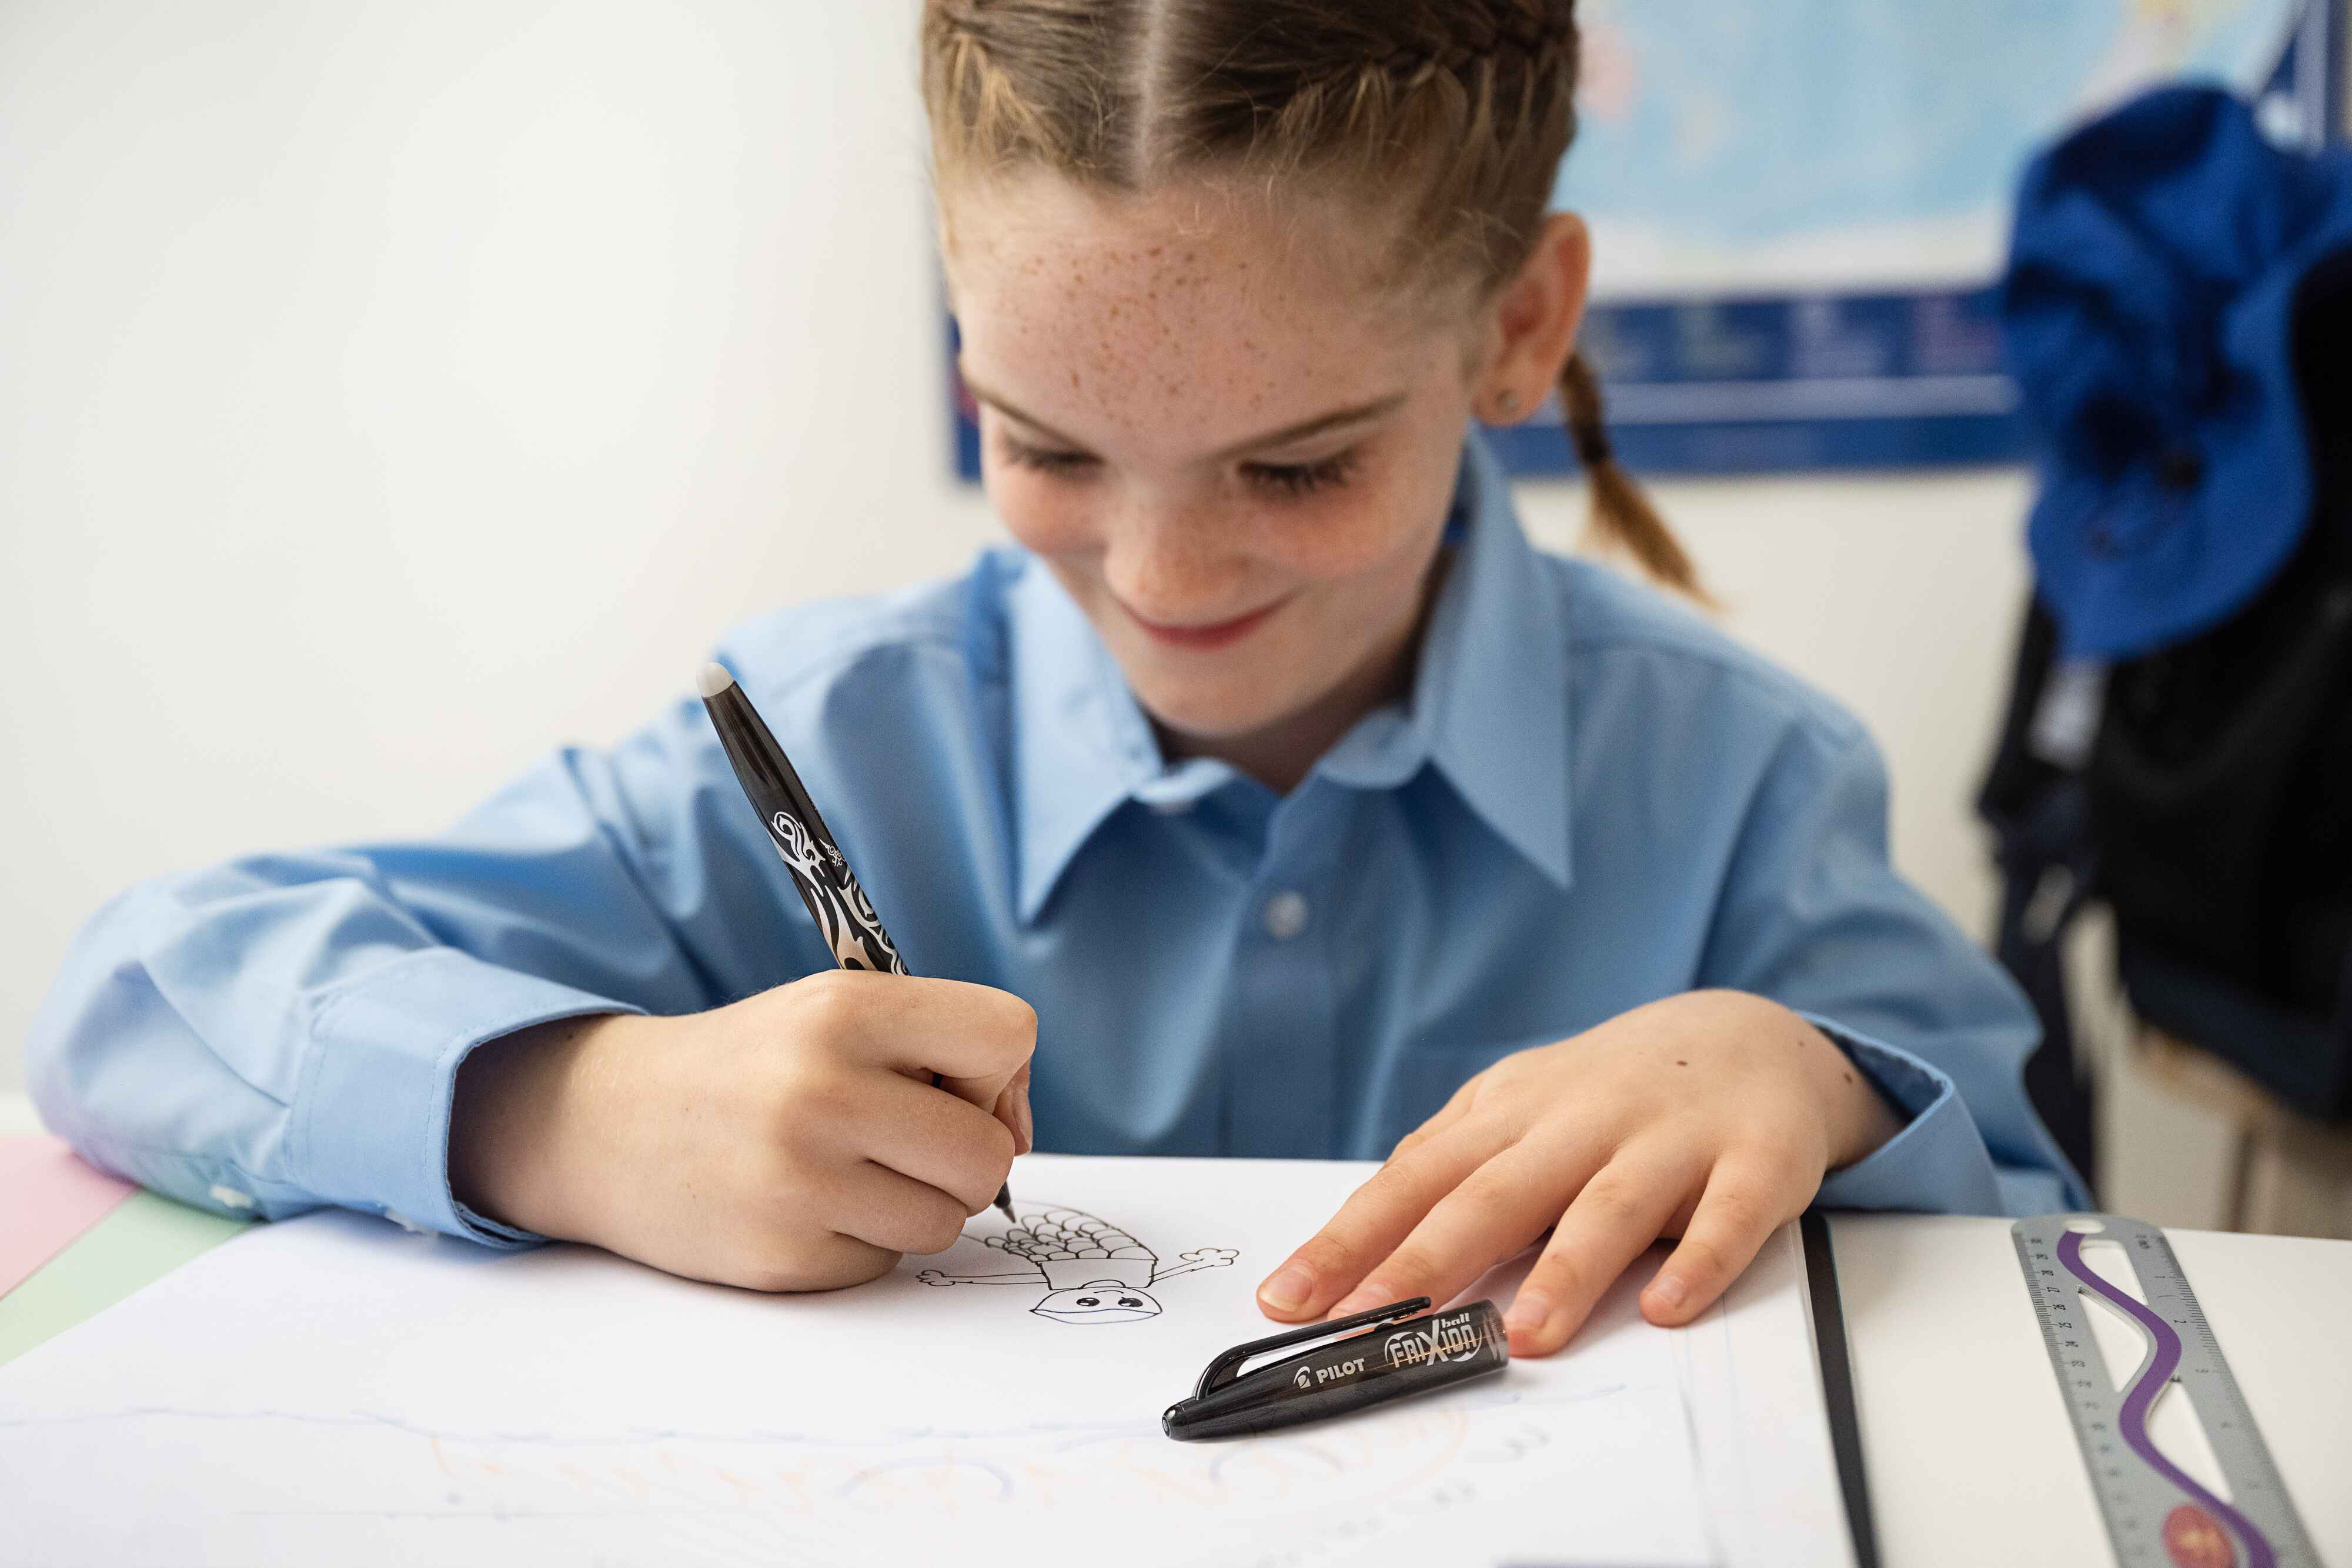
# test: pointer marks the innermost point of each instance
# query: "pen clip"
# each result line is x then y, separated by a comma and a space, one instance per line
1227, 1367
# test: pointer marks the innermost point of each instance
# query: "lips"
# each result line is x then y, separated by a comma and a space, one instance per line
1212, 634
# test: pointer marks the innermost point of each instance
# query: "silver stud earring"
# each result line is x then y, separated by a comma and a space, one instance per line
1506, 403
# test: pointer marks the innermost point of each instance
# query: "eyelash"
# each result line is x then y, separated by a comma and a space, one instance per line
1288, 480
1298, 479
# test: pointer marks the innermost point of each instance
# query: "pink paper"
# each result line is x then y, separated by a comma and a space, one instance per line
47, 1197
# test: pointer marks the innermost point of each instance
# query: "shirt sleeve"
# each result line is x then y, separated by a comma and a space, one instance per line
1815, 917
284, 1032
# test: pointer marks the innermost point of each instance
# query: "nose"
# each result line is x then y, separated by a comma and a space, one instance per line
1175, 559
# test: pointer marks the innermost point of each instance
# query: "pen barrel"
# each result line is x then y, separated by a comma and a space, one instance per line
844, 917
1394, 1361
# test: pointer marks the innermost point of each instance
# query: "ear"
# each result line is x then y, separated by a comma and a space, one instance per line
1533, 321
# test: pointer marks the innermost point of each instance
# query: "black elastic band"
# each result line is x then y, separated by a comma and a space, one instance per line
1594, 449
1837, 1385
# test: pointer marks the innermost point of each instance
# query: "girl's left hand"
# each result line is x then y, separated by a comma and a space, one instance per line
1712, 1116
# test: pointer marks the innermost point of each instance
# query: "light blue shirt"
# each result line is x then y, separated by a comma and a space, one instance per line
1590, 800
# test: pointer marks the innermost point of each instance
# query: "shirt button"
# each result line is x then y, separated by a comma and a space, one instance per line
1285, 915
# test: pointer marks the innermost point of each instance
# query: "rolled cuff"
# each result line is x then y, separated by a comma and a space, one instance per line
372, 1115
1938, 1164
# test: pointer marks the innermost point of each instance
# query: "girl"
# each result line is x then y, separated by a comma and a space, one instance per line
1313, 811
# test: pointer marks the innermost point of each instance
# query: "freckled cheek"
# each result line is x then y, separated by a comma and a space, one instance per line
1342, 538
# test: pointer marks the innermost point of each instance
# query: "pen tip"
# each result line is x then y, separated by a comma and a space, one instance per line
712, 680
1004, 1202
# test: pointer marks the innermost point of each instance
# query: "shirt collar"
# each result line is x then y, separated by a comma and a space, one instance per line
1490, 695
1488, 706
1081, 746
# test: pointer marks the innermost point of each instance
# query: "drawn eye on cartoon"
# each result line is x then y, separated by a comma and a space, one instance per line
1093, 1271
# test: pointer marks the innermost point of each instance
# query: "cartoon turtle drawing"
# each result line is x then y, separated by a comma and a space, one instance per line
1093, 1271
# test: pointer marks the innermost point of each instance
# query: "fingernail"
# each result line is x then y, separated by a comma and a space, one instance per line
1028, 1122
1669, 1292
1289, 1289
1363, 1299
1530, 1309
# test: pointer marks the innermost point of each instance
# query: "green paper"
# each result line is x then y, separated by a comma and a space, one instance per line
143, 1240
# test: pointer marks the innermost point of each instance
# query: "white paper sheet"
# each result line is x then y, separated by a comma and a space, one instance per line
332, 1389
1753, 1381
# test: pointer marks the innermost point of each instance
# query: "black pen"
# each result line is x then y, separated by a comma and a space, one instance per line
1403, 1354
844, 917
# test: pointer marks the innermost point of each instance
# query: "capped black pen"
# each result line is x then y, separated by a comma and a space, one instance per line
1401, 1355
844, 917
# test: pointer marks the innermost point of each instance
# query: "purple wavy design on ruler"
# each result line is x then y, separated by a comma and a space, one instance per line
2140, 1397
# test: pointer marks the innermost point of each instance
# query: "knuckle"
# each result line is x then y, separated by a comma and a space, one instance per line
1499, 1073
1736, 1210
1330, 1255
1488, 1197
997, 1158
1020, 1020
1407, 1271
1396, 1182
1742, 1205
981, 1145
1613, 1200
999, 1168
1563, 1276
984, 1169
823, 985
1345, 1245
825, 1006
1703, 1255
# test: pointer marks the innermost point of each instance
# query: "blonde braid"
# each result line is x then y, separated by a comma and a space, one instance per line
1622, 514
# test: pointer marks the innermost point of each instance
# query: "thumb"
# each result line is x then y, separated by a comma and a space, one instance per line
1003, 1094
1005, 1098
1012, 1108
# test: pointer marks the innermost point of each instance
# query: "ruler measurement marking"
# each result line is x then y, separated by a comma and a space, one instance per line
2144, 1497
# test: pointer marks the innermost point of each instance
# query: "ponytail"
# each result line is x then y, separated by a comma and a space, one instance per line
1623, 515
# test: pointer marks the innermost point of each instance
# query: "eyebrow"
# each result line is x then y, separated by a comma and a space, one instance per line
1335, 420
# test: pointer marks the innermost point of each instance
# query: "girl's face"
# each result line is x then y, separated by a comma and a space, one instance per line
1232, 446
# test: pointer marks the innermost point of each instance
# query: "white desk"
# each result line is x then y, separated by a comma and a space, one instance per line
1967, 1449
1969, 1456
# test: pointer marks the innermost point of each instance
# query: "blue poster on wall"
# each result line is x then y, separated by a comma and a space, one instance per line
1800, 210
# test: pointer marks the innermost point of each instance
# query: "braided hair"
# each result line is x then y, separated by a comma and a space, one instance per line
1457, 112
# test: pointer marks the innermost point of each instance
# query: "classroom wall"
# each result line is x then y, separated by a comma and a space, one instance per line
390, 391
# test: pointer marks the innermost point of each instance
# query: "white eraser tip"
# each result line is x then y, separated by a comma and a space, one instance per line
713, 680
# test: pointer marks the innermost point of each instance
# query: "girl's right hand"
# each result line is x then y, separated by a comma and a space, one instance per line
791, 1142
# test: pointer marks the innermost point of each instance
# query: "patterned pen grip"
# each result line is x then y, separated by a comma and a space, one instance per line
844, 915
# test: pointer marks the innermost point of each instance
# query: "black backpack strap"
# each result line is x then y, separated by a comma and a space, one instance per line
2039, 812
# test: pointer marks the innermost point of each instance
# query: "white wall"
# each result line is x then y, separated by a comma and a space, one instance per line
390, 390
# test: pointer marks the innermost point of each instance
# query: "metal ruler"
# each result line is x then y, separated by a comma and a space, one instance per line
2158, 1515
